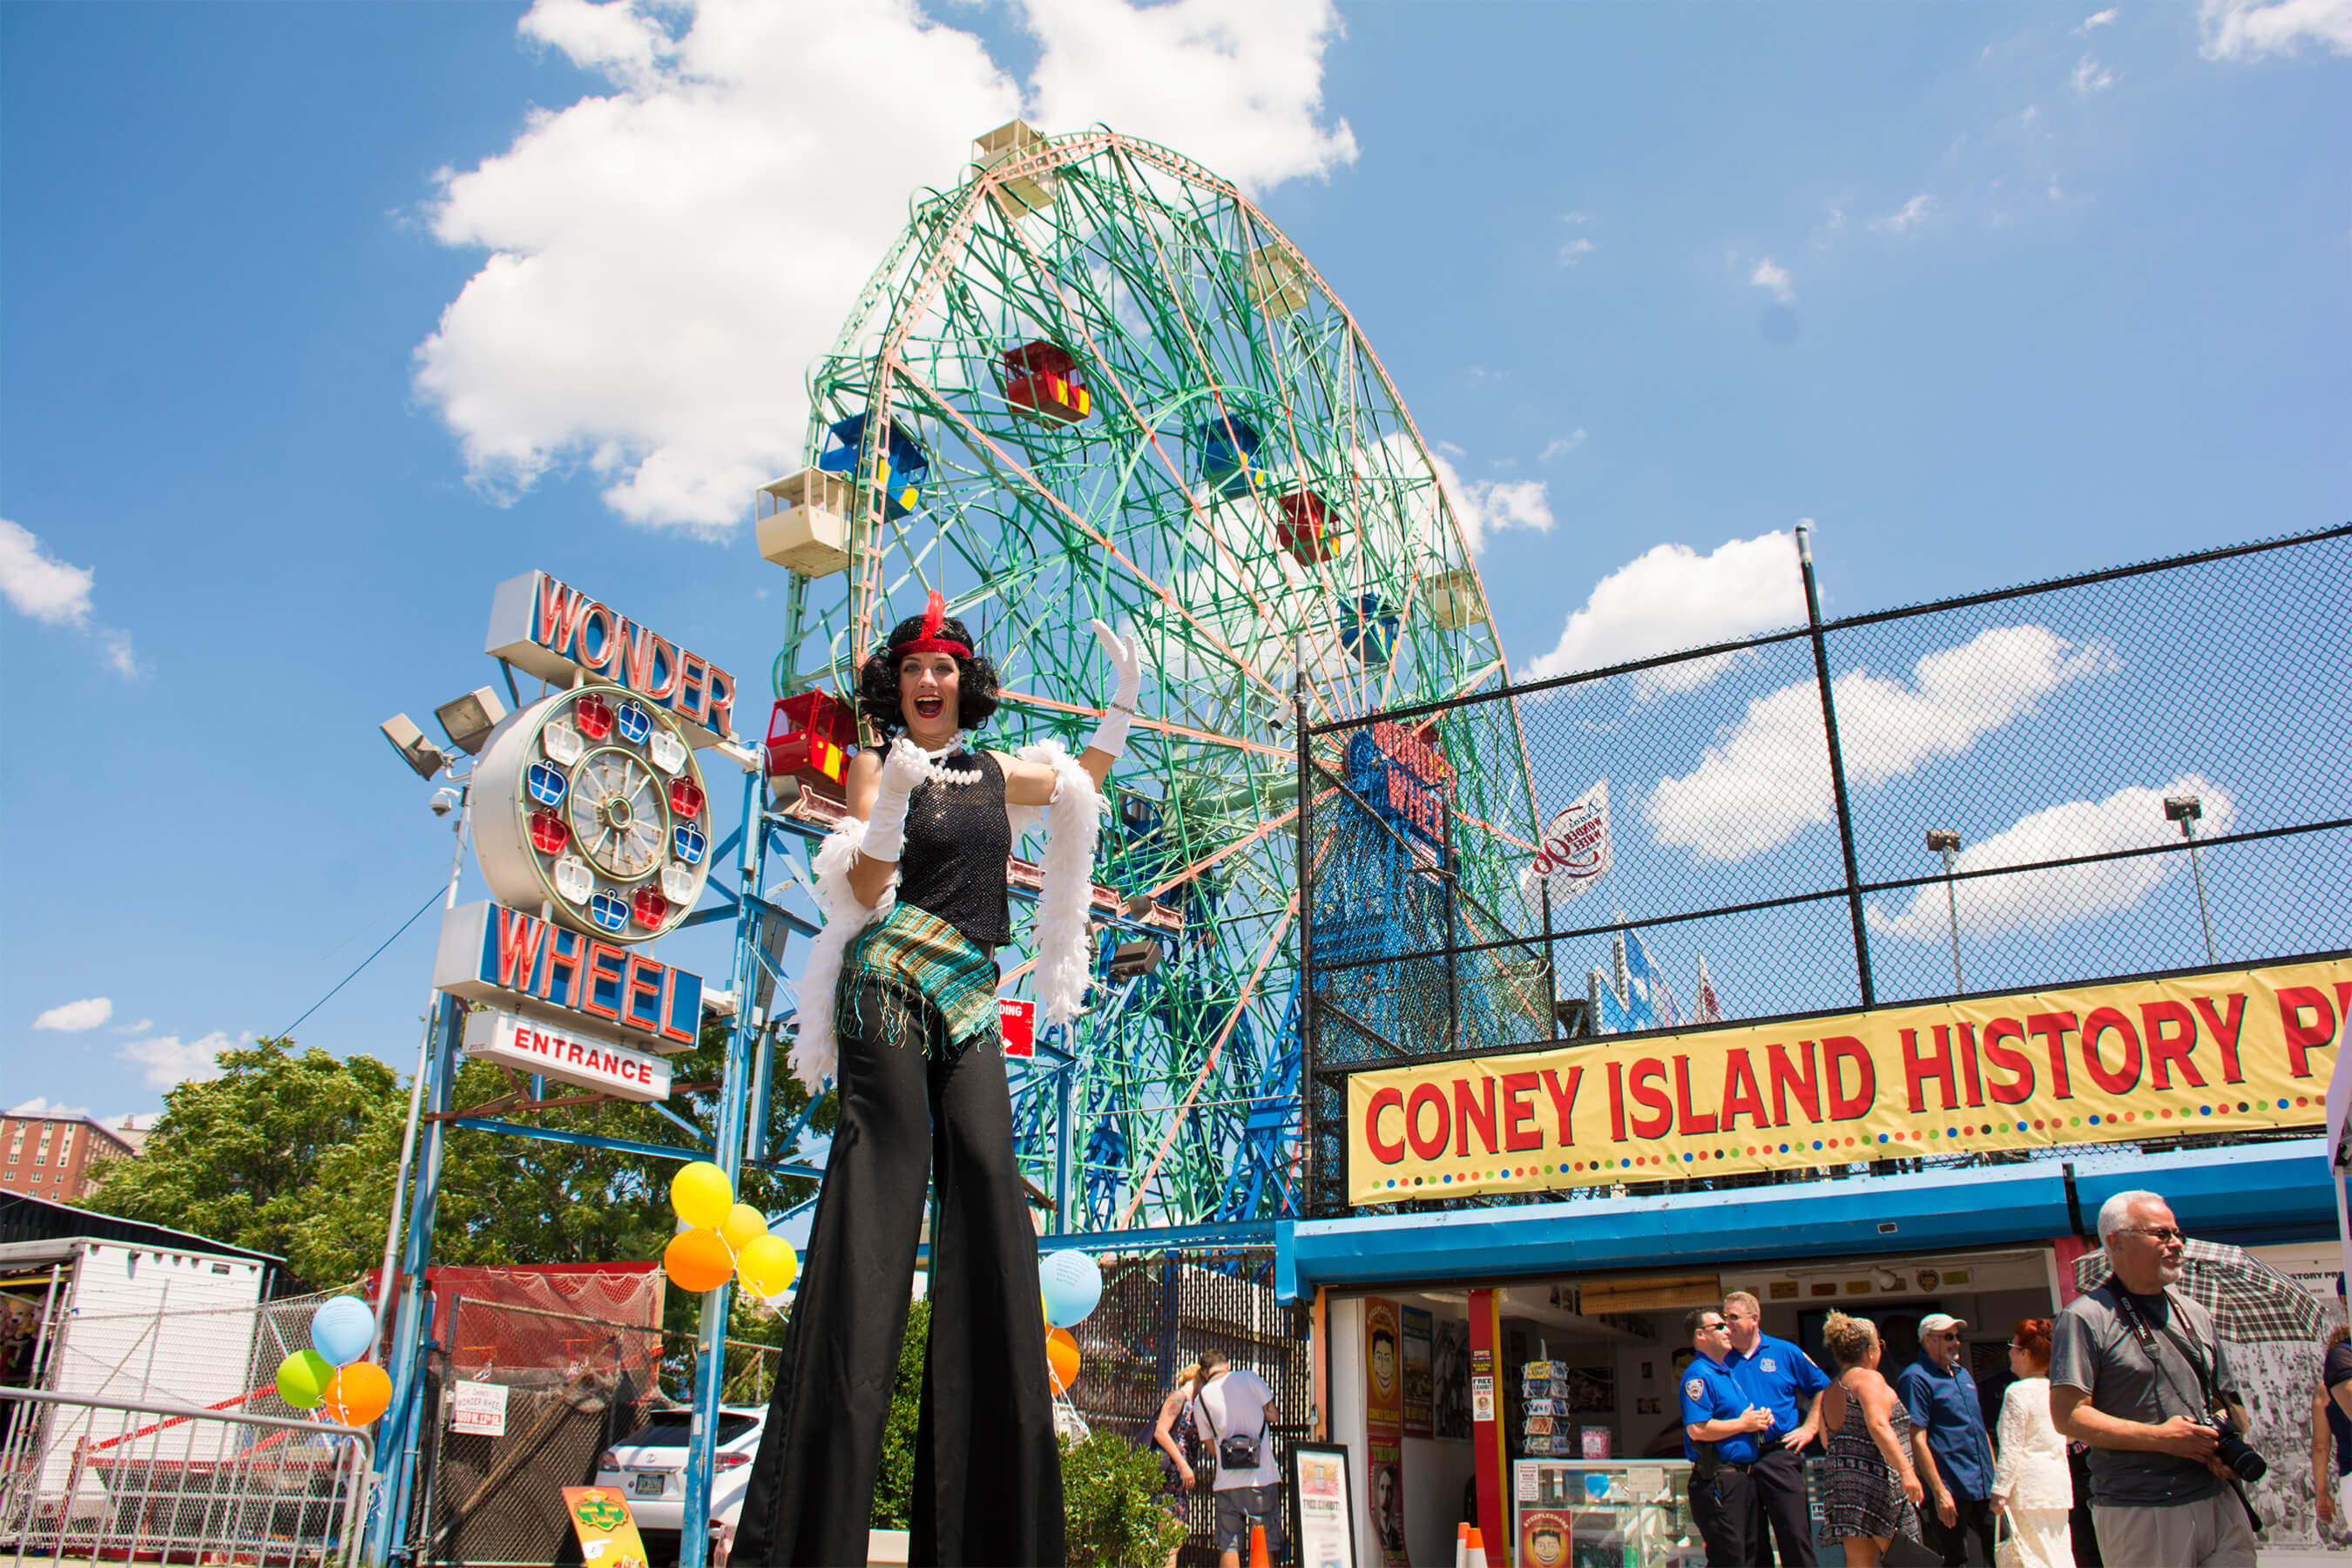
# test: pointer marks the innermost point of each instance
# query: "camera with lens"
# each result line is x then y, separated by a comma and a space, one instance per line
2232, 1449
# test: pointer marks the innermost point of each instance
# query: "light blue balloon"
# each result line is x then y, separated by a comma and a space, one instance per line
1072, 1284
343, 1330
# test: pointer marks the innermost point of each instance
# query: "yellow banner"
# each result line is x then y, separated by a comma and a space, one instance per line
2135, 1060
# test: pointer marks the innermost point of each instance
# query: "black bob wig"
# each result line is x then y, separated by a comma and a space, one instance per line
878, 680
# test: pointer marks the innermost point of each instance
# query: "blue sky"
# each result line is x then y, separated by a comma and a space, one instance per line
1989, 292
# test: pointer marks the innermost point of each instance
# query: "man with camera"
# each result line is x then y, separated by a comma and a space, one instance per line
1234, 1409
2137, 1373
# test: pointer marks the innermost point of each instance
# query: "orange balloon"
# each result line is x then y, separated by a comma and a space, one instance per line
1061, 1359
698, 1260
359, 1394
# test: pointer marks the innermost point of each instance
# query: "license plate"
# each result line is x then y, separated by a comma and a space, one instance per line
651, 1484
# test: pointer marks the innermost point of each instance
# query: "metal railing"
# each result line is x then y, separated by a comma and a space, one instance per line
2131, 771
110, 1480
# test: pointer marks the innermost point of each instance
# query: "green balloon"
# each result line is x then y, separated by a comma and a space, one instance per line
302, 1379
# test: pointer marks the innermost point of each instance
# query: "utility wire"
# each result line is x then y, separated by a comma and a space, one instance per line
431, 899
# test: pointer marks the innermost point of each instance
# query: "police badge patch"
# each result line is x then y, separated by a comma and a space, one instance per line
1768, 1364
1694, 1389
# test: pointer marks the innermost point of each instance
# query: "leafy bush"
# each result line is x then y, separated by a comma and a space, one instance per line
1111, 1514
894, 1484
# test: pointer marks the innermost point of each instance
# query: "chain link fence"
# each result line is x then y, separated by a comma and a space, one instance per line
2129, 772
1159, 1311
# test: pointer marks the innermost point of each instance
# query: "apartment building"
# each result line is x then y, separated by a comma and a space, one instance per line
50, 1156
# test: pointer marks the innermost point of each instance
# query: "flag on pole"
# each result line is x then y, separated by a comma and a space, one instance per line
1573, 854
1648, 995
1708, 1009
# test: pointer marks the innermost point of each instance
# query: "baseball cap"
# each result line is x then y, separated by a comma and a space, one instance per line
1936, 1322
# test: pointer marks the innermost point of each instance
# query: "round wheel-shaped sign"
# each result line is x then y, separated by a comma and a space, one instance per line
592, 801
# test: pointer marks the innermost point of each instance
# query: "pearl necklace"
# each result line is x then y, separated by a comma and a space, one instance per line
940, 774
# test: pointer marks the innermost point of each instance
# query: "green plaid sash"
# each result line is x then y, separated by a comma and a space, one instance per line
923, 974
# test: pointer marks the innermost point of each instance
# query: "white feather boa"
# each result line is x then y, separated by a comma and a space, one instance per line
1073, 827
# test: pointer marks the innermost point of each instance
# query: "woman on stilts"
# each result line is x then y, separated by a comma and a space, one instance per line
899, 1005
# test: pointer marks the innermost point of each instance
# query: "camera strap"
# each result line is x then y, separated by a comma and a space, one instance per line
2142, 1331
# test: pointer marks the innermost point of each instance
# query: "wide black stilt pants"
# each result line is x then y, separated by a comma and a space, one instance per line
988, 1473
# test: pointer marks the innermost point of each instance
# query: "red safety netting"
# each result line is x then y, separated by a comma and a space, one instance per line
552, 1315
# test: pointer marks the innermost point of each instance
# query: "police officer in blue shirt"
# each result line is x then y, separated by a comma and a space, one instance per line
1783, 1379
1719, 1437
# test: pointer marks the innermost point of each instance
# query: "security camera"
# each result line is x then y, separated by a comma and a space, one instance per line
444, 802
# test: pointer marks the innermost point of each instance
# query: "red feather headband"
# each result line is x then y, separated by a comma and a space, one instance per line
930, 639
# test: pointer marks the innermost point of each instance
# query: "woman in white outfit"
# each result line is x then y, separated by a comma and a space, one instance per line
2031, 1487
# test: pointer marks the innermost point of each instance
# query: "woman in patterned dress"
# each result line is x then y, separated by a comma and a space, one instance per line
1871, 1490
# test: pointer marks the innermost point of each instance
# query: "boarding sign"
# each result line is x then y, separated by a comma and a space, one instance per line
479, 1409
555, 631
566, 1056
2131, 1060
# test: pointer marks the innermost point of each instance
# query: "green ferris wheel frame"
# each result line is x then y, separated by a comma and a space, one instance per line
1240, 488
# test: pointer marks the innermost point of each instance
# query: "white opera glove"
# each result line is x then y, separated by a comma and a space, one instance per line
903, 767
1110, 736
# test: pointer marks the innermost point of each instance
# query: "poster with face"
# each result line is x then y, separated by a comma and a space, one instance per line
1449, 1379
1384, 1363
1417, 1373
1544, 1537
1384, 1425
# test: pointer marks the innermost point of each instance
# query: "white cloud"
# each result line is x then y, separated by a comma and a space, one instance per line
1768, 777
2100, 18
1484, 505
1672, 597
2090, 76
666, 258
1576, 217
2130, 818
140, 1028
39, 584
1773, 278
2234, 29
1576, 251
1914, 212
169, 1060
1560, 446
1237, 84
40, 1105
73, 1017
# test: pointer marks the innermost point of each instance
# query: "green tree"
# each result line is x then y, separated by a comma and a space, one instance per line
294, 1152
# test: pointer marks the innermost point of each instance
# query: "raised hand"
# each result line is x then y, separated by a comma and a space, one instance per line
903, 766
1124, 659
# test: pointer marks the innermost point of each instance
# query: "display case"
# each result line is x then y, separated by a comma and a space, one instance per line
1603, 1513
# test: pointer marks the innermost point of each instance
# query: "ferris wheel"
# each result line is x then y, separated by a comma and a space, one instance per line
1094, 380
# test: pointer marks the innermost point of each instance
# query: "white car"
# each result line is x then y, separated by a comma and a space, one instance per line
648, 1466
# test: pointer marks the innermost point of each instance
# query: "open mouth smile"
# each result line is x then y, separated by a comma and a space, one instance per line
929, 707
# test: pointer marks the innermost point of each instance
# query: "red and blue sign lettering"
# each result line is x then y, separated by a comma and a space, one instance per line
489, 953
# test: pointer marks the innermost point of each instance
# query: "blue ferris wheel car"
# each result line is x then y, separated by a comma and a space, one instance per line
609, 910
546, 783
633, 723
687, 843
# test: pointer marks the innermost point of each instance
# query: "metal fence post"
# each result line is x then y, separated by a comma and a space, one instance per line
1309, 1086
1837, 767
385, 1541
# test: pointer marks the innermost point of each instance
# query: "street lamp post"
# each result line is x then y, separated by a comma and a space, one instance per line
1944, 841
2186, 809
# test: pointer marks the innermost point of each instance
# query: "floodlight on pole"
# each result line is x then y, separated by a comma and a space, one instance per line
2185, 810
418, 753
1944, 841
468, 720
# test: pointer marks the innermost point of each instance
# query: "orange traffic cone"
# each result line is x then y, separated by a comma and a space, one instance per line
1477, 1549
1461, 1546
1258, 1558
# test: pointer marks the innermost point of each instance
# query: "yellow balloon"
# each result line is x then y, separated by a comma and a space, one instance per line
742, 1225
701, 1195
767, 1265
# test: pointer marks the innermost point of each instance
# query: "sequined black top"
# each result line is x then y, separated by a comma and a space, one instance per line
957, 838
